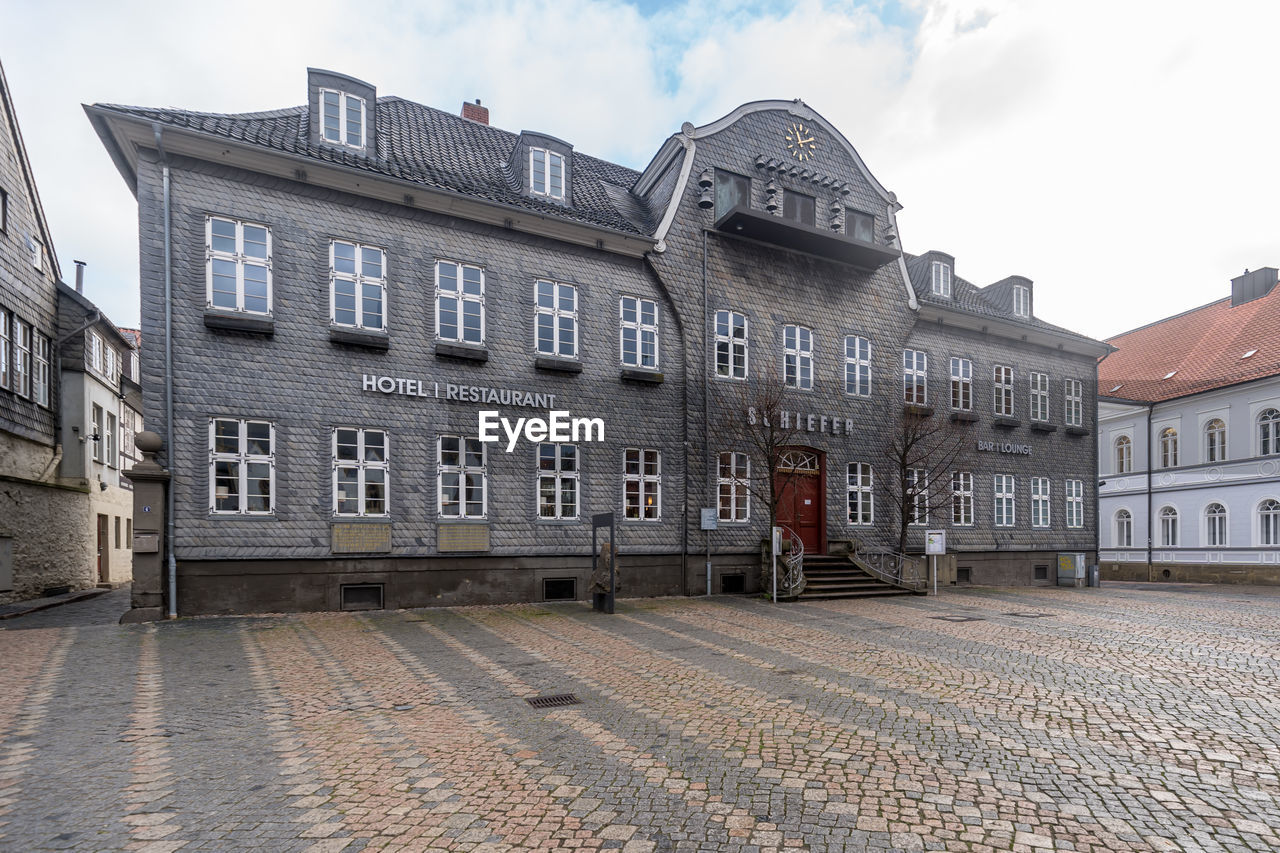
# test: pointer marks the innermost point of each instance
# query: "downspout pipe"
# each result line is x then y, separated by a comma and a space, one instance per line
170, 502
1150, 497
706, 393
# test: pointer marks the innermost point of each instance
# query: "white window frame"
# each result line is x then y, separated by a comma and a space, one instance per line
1215, 440
243, 459
1215, 538
359, 281
797, 357
1073, 399
1268, 527
22, 342
1122, 454
362, 465
463, 299
463, 470
1168, 516
6, 367
940, 278
97, 426
95, 352
916, 483
1268, 431
240, 259
550, 189
1002, 390
857, 366
111, 451
860, 504
344, 119
639, 330
733, 487
37, 254
961, 498
1074, 490
128, 432
1041, 503
961, 384
1122, 528
729, 344
1004, 507
558, 477
41, 360
915, 376
1168, 438
647, 484
1021, 301
1038, 400
556, 313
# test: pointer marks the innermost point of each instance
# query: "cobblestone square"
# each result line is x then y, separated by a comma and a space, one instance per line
1131, 717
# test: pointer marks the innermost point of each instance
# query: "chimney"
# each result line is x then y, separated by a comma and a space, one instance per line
79, 276
1252, 285
475, 112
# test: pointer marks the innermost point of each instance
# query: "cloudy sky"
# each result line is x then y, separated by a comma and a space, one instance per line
1121, 154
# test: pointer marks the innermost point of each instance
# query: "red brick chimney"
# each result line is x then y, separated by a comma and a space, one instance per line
475, 112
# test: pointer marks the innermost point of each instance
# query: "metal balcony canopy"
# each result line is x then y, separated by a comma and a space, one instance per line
789, 234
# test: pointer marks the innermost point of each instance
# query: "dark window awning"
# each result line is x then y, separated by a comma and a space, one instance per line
789, 234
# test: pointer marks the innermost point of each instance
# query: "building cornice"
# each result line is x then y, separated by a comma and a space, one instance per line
1062, 341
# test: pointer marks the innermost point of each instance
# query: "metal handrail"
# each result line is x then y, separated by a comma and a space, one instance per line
890, 566
792, 581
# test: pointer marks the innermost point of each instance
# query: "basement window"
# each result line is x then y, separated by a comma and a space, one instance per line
362, 596
731, 584
560, 589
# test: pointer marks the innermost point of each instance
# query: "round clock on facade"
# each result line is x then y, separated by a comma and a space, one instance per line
800, 141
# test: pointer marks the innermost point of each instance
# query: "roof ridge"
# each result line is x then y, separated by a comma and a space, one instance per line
1154, 323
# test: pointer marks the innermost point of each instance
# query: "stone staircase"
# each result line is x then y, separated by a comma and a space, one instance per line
833, 576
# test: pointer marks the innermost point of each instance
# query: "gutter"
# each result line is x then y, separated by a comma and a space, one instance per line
170, 504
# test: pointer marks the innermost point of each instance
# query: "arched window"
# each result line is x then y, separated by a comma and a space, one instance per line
1215, 525
1124, 529
1168, 448
1124, 455
1269, 522
1169, 527
1268, 432
1215, 441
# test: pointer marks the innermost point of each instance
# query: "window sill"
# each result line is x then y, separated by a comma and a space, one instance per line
1041, 426
917, 410
964, 417
462, 352
244, 516
1075, 430
239, 321
557, 365
1006, 423
362, 519
647, 377
367, 338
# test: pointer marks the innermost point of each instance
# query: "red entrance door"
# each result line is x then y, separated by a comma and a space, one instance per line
802, 505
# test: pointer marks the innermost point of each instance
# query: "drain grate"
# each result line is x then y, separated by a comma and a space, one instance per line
557, 701
955, 617
1030, 615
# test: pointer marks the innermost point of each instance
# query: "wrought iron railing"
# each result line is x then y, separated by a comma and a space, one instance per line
890, 566
791, 581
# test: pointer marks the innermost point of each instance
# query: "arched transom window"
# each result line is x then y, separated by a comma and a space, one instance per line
1268, 432
1215, 440
1215, 525
1124, 529
1269, 522
1124, 454
1168, 448
1169, 527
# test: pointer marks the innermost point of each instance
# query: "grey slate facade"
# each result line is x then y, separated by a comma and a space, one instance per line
427, 186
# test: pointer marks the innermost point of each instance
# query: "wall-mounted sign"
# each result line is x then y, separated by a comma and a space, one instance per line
462, 537
710, 518
1005, 447
805, 421
935, 541
454, 392
359, 538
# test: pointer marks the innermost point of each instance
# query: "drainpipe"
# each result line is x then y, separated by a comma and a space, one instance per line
170, 502
706, 396
1150, 497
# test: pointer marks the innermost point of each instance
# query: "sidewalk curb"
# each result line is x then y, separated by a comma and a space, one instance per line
81, 595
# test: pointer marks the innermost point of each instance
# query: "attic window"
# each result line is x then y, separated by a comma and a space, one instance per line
1170, 374
342, 118
546, 173
1021, 301
1117, 388
941, 279
1248, 354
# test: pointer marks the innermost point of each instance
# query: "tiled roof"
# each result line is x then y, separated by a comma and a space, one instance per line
1202, 348
436, 149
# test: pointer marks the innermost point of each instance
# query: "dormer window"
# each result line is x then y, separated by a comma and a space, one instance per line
941, 279
546, 173
1021, 301
342, 118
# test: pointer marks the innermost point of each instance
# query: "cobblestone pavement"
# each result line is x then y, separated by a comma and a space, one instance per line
1132, 717
105, 609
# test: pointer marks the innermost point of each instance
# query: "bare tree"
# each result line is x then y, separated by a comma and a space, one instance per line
921, 451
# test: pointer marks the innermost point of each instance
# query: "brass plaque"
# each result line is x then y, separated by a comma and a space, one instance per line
146, 543
463, 537
351, 538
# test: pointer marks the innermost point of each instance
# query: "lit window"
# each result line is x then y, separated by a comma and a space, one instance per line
1075, 503
360, 475
242, 467
557, 481
357, 285
556, 319
342, 118
731, 345
546, 173
1215, 525
1039, 396
857, 366
1168, 448
642, 484
1074, 409
1021, 301
961, 498
1268, 432
1124, 529
915, 377
1215, 440
238, 266
460, 303
1005, 511
461, 477
941, 278
733, 483
40, 371
961, 384
1002, 378
638, 321
797, 344
862, 509
916, 483
1040, 516
1168, 527
1269, 522
1123, 454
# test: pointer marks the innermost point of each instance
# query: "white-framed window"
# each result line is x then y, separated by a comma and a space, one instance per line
96, 361
733, 485
1039, 400
916, 482
1269, 522
21, 384
546, 173
1123, 454
642, 484
242, 467
1215, 525
238, 265
555, 324
460, 307
638, 330
961, 498
915, 377
1168, 527
1215, 440
731, 345
862, 504
461, 477
1075, 503
1021, 301
1073, 410
111, 365
109, 450
37, 253
1040, 512
557, 481
1168, 448
1002, 380
6, 368
97, 433
40, 371
941, 279
357, 285
961, 384
797, 358
1268, 432
1124, 528
857, 366
342, 118
1005, 512
128, 432
361, 475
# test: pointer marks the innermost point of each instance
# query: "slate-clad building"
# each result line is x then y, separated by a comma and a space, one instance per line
353, 281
